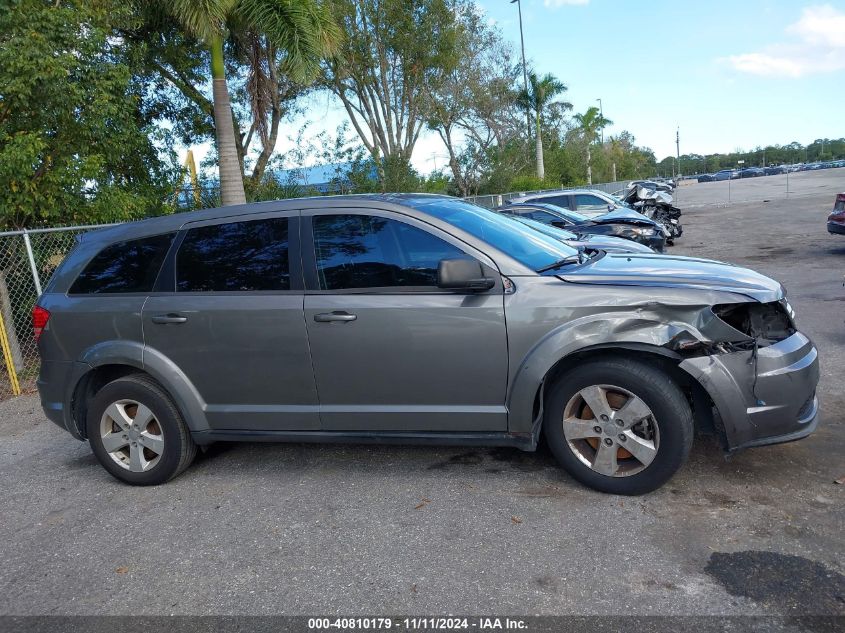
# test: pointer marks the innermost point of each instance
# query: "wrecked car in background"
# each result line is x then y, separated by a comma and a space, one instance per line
410, 319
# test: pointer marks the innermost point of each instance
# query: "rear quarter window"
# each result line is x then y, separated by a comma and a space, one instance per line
247, 256
124, 267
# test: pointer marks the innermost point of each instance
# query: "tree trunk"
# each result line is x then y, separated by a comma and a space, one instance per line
541, 169
231, 176
589, 166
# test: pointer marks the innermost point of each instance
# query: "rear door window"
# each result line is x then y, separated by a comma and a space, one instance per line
125, 267
235, 257
558, 201
588, 202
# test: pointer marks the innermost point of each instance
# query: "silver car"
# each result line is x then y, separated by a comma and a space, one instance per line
412, 319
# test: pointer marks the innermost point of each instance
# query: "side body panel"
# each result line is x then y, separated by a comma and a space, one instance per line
411, 360
245, 355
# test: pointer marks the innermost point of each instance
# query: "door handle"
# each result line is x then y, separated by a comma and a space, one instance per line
328, 317
164, 319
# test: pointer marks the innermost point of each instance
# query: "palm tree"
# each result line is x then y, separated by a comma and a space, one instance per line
541, 92
592, 122
303, 29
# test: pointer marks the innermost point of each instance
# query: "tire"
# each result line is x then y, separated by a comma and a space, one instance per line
662, 438
137, 433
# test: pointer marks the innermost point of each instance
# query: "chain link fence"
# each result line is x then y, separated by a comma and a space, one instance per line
28, 260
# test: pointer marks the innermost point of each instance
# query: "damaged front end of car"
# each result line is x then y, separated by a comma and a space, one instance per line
758, 369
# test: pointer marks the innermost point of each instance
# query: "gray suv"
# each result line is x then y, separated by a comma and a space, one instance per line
412, 319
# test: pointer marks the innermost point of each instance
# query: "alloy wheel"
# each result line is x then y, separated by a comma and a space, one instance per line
131, 435
611, 430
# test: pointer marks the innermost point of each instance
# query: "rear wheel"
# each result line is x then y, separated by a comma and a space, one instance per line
618, 425
137, 433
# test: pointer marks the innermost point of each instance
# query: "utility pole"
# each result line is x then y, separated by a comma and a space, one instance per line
601, 120
678, 148
524, 69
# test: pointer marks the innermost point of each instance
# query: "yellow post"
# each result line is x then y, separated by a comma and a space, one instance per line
191, 166
7, 357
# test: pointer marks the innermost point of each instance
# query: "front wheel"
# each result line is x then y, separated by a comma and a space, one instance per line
137, 433
618, 425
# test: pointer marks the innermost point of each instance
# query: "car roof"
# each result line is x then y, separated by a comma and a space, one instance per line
175, 221
551, 194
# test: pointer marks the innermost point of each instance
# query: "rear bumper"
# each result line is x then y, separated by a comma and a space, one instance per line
836, 227
765, 401
56, 381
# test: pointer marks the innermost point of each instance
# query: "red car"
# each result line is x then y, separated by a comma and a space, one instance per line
836, 220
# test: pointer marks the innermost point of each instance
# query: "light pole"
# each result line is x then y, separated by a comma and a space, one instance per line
524, 69
601, 120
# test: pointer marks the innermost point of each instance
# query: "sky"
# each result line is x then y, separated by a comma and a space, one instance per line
727, 74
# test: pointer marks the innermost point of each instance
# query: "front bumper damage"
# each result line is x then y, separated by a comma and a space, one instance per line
765, 395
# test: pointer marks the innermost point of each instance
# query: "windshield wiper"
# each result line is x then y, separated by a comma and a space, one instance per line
571, 259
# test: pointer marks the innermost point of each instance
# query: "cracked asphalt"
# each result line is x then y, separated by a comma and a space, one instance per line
308, 529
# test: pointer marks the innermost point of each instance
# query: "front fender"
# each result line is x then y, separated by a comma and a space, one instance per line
636, 329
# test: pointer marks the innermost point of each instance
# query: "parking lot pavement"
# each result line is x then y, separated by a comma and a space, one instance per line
311, 529
796, 185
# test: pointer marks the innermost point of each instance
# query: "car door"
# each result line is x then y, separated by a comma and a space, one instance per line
231, 321
392, 352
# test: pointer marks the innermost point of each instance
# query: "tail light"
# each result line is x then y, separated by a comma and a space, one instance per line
40, 316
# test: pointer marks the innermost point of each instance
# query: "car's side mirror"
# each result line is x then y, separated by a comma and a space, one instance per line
610, 207
463, 275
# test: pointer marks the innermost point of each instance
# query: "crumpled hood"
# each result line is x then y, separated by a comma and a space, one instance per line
675, 272
613, 244
627, 216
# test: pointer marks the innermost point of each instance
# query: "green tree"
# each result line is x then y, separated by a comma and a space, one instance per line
77, 142
540, 94
591, 123
302, 28
473, 109
393, 54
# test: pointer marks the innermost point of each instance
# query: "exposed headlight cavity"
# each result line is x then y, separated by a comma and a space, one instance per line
767, 323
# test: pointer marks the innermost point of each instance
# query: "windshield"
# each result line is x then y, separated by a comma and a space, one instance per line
529, 247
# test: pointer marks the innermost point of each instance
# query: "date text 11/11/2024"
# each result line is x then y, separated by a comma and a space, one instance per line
417, 623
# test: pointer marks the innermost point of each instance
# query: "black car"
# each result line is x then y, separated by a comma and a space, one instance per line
643, 230
706, 178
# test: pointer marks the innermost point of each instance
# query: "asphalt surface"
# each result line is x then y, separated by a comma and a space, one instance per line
304, 529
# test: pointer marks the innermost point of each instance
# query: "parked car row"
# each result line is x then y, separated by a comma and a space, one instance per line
614, 224
412, 318
754, 172
642, 206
